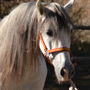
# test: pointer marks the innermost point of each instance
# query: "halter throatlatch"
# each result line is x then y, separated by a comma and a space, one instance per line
47, 52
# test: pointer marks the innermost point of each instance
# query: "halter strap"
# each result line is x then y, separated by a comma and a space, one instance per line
53, 50
47, 52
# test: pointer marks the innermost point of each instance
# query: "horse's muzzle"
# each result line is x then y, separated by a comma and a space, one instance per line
66, 74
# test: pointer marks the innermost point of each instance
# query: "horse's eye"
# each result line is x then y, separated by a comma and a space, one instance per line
50, 33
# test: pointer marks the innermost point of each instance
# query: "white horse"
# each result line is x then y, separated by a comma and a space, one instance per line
32, 33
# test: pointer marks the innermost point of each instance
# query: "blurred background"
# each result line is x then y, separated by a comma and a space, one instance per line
80, 46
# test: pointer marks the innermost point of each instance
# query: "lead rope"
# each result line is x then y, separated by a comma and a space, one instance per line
73, 86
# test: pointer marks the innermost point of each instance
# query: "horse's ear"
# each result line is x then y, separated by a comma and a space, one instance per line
68, 6
39, 6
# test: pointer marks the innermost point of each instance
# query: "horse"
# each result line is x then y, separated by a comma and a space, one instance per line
32, 33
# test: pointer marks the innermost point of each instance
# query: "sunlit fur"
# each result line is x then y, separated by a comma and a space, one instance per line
19, 51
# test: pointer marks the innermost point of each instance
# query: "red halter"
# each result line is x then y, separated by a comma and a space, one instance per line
51, 50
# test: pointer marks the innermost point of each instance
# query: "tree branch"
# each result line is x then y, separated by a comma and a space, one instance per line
82, 27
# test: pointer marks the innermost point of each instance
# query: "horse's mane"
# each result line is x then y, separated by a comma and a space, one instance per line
18, 38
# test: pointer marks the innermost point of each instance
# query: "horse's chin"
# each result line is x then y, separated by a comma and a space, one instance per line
63, 81
63, 84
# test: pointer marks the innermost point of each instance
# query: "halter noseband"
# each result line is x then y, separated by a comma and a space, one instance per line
51, 50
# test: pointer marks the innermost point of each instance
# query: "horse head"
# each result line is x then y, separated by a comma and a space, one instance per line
54, 37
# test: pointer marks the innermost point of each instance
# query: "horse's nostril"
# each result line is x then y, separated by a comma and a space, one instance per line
66, 73
62, 72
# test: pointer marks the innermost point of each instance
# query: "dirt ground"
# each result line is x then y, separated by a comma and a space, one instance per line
81, 78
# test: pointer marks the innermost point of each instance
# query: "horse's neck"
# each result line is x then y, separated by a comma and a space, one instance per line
33, 79
37, 76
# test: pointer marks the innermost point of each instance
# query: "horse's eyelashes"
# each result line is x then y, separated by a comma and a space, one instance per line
50, 33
